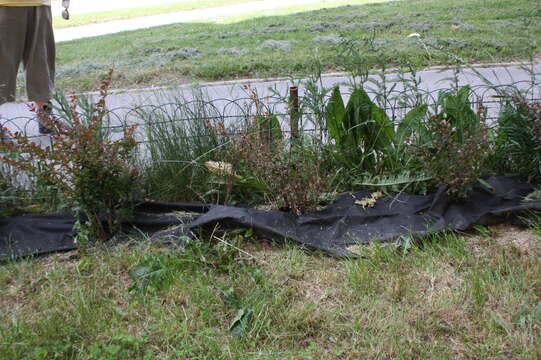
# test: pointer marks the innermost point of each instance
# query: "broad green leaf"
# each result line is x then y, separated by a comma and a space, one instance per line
458, 109
412, 124
371, 129
241, 321
370, 125
381, 129
363, 132
358, 111
334, 117
390, 181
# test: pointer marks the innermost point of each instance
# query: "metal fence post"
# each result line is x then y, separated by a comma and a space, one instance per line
294, 112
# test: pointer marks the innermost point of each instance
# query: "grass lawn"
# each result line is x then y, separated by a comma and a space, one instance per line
101, 17
284, 45
455, 297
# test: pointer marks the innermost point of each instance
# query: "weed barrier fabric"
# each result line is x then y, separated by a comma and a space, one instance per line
31, 235
332, 230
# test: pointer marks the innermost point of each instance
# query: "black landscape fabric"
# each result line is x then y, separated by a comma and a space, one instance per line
333, 229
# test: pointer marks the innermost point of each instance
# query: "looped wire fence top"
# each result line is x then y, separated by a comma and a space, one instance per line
396, 93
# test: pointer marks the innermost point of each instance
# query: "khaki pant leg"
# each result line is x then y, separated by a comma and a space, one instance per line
13, 24
39, 54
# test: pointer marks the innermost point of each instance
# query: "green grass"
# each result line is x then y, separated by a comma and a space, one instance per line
178, 148
105, 16
475, 297
490, 31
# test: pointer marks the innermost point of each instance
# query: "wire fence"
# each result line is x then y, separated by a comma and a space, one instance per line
396, 98
236, 115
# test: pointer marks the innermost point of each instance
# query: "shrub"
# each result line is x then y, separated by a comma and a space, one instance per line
518, 142
290, 176
457, 144
93, 173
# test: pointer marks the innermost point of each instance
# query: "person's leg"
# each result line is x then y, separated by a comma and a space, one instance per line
13, 24
39, 61
12, 38
39, 56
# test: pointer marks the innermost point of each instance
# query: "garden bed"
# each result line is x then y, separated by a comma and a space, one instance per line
241, 155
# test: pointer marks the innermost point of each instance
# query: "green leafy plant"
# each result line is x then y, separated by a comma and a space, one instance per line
156, 273
243, 315
95, 174
518, 142
365, 137
362, 131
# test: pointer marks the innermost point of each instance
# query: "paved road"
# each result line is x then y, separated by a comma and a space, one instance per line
431, 81
173, 18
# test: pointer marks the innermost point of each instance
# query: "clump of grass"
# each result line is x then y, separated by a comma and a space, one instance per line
10, 192
181, 138
518, 145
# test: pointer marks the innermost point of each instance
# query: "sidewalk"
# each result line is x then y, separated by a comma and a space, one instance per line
112, 27
96, 6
